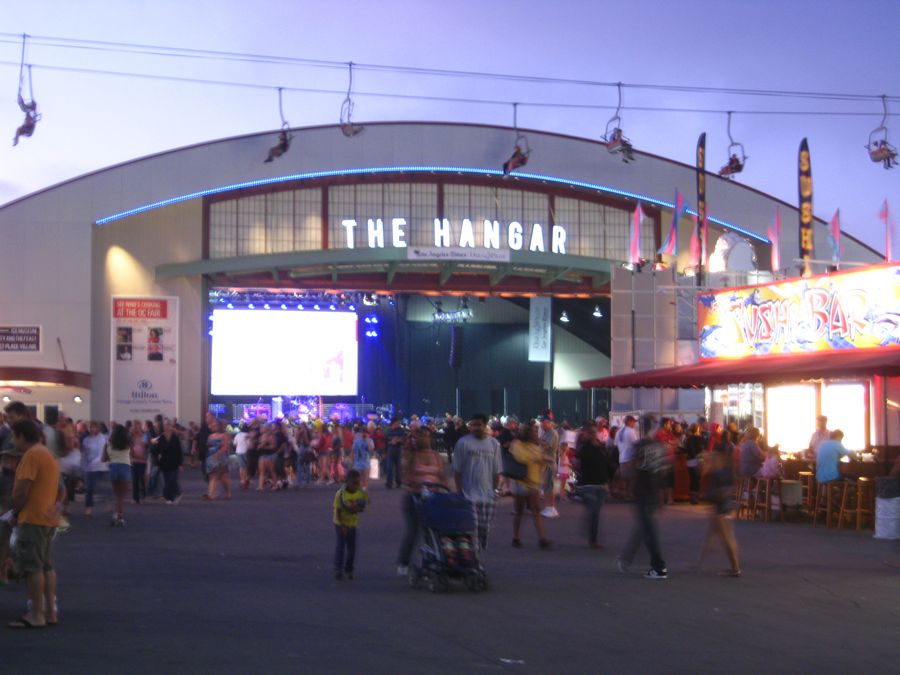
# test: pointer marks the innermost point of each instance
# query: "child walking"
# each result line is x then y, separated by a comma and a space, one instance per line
349, 502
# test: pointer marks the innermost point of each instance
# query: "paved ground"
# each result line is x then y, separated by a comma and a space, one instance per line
245, 586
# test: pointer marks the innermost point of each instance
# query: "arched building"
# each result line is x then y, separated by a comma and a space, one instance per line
120, 270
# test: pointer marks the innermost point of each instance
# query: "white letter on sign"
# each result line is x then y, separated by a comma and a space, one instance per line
515, 236
537, 238
376, 233
559, 239
398, 234
467, 234
441, 233
491, 234
349, 225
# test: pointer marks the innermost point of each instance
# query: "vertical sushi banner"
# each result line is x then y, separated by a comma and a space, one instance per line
144, 358
701, 201
540, 330
806, 208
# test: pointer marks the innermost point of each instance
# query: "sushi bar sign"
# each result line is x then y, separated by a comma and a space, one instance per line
847, 310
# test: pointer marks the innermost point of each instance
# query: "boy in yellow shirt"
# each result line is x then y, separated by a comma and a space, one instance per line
349, 502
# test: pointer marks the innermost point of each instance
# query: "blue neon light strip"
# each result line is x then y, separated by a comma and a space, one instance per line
415, 169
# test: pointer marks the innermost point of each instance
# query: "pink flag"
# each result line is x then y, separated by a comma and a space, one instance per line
888, 226
834, 238
694, 257
670, 245
775, 238
634, 241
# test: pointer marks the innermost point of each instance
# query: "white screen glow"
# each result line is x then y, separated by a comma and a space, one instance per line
260, 352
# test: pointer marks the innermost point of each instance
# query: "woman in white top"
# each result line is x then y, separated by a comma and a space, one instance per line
241, 445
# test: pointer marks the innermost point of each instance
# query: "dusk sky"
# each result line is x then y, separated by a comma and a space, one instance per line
92, 120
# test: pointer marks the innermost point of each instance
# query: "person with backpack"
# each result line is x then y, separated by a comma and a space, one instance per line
595, 469
650, 462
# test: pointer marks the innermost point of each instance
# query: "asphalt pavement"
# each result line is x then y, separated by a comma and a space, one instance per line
246, 586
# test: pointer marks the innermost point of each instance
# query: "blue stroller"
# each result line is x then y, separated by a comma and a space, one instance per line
448, 550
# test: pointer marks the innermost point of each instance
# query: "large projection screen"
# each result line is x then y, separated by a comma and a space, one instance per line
270, 352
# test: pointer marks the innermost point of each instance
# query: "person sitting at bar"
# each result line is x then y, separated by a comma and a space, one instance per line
827, 457
752, 456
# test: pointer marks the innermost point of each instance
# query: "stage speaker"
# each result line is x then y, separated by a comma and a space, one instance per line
456, 346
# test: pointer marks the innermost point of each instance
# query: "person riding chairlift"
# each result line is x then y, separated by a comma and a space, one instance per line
31, 119
882, 152
277, 150
734, 166
518, 159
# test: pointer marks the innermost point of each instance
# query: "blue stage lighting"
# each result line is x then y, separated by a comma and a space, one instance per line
300, 307
332, 307
316, 307
230, 306
251, 306
266, 306
283, 306
374, 319
352, 308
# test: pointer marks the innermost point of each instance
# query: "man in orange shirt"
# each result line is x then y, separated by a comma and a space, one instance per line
37, 498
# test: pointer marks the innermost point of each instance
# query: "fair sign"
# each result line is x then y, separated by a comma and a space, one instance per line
846, 310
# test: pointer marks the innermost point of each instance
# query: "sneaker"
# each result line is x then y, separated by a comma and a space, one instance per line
177, 499
657, 574
623, 566
550, 512
402, 570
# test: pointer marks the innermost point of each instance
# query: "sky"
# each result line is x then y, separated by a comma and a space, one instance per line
91, 121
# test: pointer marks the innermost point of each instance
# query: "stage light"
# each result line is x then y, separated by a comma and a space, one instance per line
266, 306
251, 306
352, 308
230, 306
374, 319
77, 398
597, 312
210, 332
316, 307
332, 307
564, 317
391, 300
283, 306
210, 317
6, 399
300, 307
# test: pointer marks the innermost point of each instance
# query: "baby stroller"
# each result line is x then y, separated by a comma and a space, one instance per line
448, 549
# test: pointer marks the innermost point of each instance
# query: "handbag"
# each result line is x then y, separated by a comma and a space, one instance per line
512, 468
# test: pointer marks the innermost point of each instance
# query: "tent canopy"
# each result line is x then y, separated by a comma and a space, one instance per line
771, 369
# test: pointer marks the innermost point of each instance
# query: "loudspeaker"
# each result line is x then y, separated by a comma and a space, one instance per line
456, 346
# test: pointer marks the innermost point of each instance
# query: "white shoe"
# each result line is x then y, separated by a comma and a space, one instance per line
402, 570
550, 512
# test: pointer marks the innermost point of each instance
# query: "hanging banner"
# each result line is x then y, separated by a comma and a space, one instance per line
540, 330
839, 311
701, 196
806, 208
144, 358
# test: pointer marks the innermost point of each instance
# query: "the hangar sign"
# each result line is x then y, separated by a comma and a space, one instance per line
465, 234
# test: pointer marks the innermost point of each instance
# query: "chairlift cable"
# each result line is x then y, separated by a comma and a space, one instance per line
284, 122
157, 50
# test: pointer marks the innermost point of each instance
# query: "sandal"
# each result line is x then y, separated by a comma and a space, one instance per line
729, 573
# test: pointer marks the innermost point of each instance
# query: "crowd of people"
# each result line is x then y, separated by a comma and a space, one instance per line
538, 463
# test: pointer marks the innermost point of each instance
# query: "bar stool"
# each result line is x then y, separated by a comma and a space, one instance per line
766, 488
828, 495
744, 496
808, 490
856, 502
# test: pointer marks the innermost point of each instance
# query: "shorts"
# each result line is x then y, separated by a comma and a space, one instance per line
34, 548
242, 461
547, 476
120, 472
520, 489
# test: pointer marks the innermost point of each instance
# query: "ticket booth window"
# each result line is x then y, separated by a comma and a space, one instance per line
845, 406
790, 416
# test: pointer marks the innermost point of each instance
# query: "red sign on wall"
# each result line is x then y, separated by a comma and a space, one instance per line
140, 308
